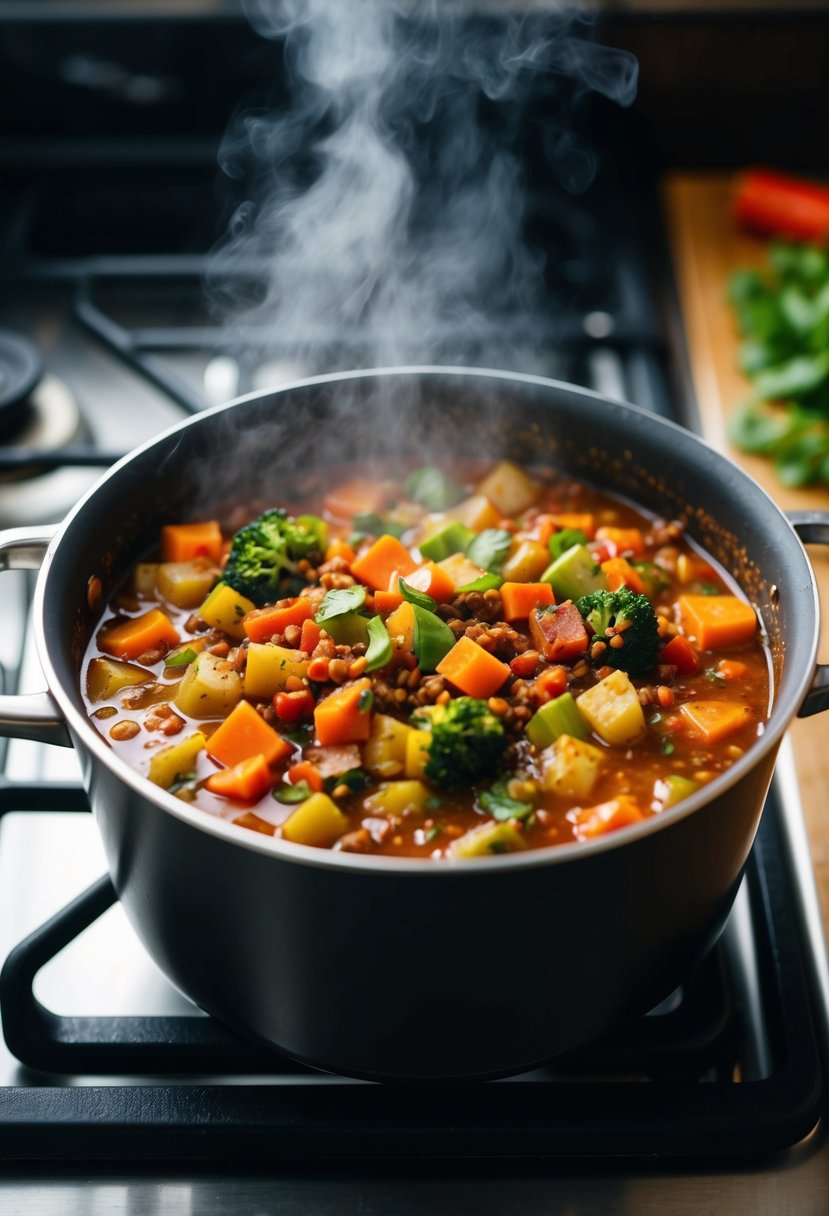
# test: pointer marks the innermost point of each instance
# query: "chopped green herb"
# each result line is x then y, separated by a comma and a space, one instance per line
667, 746
356, 779
180, 781
369, 523
487, 582
434, 831
380, 649
290, 794
433, 489
489, 548
706, 588
497, 802
180, 658
433, 803
365, 701
561, 541
432, 638
339, 602
715, 676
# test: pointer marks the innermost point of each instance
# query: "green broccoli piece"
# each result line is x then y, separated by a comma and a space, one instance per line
466, 744
267, 549
640, 639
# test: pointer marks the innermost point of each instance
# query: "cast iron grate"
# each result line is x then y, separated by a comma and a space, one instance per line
666, 1085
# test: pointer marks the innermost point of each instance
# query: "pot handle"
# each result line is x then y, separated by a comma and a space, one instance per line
32, 716
812, 528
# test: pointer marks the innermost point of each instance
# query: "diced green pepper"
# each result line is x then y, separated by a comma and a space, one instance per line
452, 538
558, 717
574, 574
432, 638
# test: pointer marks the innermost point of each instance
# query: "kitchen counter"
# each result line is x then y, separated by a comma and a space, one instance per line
707, 247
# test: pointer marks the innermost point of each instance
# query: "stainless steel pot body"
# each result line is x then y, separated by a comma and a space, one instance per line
390, 968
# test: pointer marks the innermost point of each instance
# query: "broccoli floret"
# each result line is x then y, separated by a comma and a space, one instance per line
466, 744
264, 551
640, 638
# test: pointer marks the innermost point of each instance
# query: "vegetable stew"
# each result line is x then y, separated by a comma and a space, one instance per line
430, 664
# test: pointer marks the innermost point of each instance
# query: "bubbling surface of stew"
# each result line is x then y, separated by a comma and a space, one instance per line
430, 664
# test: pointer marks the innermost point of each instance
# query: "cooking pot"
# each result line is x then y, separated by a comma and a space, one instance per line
393, 968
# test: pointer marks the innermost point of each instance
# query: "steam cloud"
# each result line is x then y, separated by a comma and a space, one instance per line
387, 200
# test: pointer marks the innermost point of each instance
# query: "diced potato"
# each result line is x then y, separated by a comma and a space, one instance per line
143, 579
186, 584
269, 666
210, 688
317, 821
526, 562
612, 709
570, 767
417, 752
476, 512
334, 759
106, 677
395, 797
668, 791
487, 839
224, 608
400, 626
384, 754
460, 569
509, 488
171, 763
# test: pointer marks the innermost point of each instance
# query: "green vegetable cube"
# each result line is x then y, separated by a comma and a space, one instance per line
487, 839
173, 762
558, 717
453, 537
574, 574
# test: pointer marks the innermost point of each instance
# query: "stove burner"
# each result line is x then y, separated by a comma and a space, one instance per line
21, 367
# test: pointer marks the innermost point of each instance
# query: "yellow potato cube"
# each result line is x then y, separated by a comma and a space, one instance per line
570, 767
224, 608
186, 584
143, 579
460, 569
395, 797
509, 488
171, 763
269, 666
384, 754
209, 689
526, 562
317, 821
106, 677
476, 512
417, 752
489, 838
612, 709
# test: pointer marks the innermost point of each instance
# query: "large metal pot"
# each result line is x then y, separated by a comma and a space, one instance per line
394, 968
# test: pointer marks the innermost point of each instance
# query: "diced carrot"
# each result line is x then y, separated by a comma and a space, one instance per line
472, 669
387, 601
715, 720
310, 636
605, 817
360, 496
559, 634
337, 547
306, 771
549, 684
378, 563
717, 621
519, 599
181, 542
432, 580
620, 573
542, 528
262, 623
246, 781
578, 521
129, 639
245, 733
679, 653
400, 627
344, 716
626, 540
732, 669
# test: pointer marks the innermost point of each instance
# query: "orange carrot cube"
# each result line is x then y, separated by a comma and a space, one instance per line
245, 733
472, 669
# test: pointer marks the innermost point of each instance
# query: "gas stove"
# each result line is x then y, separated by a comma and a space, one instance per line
715, 1099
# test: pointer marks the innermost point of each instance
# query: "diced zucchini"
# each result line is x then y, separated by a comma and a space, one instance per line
171, 763
449, 538
476, 512
143, 579
395, 797
268, 668
574, 574
186, 584
209, 689
348, 629
224, 608
417, 752
106, 677
385, 752
670, 790
317, 821
526, 562
612, 709
487, 839
509, 488
570, 767
558, 717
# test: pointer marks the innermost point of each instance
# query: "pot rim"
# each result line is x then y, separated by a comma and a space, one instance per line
81, 728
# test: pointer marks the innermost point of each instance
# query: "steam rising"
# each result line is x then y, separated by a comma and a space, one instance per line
385, 218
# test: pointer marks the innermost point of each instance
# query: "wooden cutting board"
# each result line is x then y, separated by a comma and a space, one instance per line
706, 246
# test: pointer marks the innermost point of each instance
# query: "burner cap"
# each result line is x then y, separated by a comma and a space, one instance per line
21, 367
